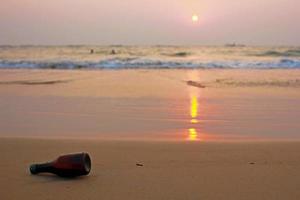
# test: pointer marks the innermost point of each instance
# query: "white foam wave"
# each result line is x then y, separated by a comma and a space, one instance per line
136, 63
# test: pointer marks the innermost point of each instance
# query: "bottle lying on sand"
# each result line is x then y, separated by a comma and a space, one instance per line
70, 165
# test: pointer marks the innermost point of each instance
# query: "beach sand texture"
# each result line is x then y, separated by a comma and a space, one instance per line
170, 170
231, 134
151, 104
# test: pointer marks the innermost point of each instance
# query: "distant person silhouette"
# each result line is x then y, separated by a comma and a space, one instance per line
113, 52
92, 51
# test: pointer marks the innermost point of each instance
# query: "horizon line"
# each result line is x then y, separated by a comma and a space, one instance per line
153, 45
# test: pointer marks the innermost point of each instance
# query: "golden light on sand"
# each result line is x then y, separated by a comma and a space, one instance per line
194, 94
194, 107
194, 121
193, 135
195, 18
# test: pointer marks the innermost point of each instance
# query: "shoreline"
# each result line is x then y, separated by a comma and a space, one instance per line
151, 104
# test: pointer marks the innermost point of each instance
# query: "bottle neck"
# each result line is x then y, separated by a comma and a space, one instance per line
39, 168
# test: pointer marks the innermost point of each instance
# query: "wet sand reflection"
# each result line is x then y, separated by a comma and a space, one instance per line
194, 104
193, 133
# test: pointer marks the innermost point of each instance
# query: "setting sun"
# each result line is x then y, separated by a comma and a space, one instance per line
195, 18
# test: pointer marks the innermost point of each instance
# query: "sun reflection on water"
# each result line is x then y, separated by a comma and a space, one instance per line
193, 134
194, 108
194, 121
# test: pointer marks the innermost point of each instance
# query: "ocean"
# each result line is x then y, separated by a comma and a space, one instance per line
152, 57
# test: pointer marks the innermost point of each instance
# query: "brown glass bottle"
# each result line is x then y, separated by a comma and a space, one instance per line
70, 165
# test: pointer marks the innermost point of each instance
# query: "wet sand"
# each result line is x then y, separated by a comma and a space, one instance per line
151, 104
236, 136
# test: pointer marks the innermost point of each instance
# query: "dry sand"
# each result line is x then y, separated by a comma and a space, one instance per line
172, 170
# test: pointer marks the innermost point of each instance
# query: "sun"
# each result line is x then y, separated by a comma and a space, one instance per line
195, 18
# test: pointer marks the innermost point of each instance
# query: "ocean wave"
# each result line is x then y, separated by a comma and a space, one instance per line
287, 53
140, 63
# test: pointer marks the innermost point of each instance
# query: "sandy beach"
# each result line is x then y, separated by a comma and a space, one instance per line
171, 170
151, 104
171, 100
229, 135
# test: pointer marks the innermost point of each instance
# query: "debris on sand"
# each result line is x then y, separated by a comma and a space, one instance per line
195, 84
28, 82
139, 164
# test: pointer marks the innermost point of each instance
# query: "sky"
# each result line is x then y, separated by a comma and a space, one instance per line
149, 22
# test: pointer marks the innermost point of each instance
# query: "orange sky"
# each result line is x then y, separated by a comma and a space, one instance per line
149, 22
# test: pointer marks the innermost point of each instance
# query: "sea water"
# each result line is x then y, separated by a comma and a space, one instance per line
154, 57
